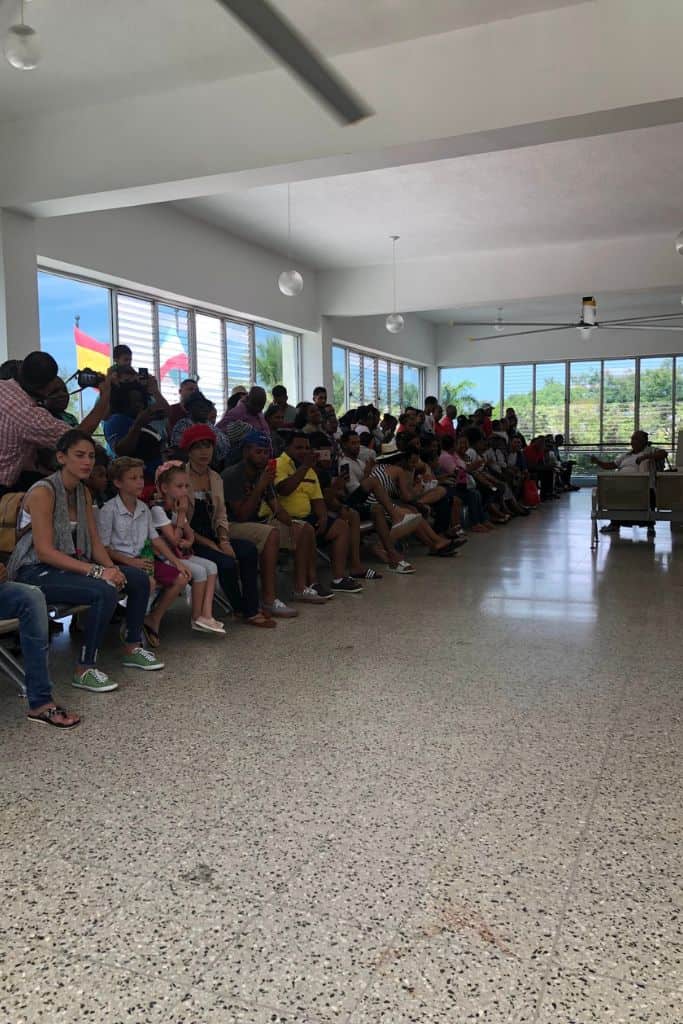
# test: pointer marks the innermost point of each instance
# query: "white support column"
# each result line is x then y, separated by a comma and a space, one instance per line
19, 323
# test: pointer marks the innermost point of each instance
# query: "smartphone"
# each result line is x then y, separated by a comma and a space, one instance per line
143, 373
324, 455
272, 465
345, 471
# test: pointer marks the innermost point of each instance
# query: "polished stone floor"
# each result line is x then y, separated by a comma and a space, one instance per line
454, 798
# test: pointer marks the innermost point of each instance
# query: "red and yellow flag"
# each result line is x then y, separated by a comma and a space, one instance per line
96, 355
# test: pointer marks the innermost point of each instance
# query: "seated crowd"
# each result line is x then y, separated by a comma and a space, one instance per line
177, 503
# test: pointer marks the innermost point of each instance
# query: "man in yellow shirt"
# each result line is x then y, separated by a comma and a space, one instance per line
298, 489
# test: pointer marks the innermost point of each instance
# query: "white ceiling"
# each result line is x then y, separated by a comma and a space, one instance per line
604, 187
566, 308
98, 50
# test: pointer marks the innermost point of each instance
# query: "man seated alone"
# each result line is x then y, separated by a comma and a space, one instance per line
298, 489
642, 458
251, 498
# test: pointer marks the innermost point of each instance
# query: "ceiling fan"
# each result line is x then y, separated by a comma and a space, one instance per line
296, 53
587, 322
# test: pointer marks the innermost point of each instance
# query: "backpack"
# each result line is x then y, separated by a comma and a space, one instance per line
10, 507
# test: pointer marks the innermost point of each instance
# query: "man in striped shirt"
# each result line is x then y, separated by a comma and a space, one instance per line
26, 425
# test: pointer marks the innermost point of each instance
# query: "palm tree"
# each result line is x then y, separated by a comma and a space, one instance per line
269, 362
458, 395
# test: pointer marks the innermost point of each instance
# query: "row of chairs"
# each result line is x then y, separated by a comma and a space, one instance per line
624, 498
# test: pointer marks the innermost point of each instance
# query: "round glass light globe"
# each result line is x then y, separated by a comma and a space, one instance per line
500, 327
290, 282
394, 323
679, 243
22, 47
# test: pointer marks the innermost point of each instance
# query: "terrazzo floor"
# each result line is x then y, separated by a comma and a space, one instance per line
453, 798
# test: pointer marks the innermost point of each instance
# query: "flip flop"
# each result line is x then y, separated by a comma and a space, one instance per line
260, 622
48, 717
368, 574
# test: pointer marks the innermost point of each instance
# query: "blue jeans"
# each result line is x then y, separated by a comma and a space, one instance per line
62, 587
231, 574
17, 601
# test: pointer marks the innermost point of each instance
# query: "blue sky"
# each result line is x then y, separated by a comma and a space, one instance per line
60, 300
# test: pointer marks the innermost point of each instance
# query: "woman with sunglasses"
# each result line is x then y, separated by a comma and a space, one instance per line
236, 560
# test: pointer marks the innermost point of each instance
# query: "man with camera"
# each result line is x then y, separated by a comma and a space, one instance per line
136, 402
26, 424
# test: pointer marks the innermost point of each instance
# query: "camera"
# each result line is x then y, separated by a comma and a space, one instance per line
88, 378
143, 373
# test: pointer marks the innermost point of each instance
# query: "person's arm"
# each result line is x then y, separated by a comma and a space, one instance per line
290, 483
408, 492
162, 549
40, 505
656, 455
603, 463
159, 403
128, 444
320, 512
245, 508
100, 410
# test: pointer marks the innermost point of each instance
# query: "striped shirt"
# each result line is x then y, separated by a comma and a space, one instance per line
24, 427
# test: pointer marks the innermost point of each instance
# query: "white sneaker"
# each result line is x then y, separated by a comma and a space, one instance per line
310, 596
279, 610
207, 626
402, 568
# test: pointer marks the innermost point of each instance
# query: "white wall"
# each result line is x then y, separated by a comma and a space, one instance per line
166, 251
19, 328
453, 347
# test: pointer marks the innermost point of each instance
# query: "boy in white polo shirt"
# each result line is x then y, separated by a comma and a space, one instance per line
126, 529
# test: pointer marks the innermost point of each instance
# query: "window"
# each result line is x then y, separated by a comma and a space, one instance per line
470, 387
137, 329
518, 392
75, 328
656, 399
276, 359
355, 379
238, 349
210, 359
584, 402
339, 381
368, 381
679, 397
619, 400
174, 350
395, 386
550, 398
382, 385
412, 386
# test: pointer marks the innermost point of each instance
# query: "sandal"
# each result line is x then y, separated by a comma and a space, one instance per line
151, 636
50, 716
367, 574
260, 621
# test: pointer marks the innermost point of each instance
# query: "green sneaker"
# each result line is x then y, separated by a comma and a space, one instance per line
141, 658
94, 680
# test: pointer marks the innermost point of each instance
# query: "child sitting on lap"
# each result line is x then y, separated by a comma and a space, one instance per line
169, 516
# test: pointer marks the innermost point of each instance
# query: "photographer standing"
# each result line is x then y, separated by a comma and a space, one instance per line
136, 403
26, 425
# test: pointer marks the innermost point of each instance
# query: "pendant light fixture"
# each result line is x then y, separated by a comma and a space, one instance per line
22, 45
500, 326
394, 323
679, 243
290, 282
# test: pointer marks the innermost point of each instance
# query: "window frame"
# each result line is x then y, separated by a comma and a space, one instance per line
376, 358
676, 407
192, 310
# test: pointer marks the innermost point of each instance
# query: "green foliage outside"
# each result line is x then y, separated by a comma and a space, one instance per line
269, 362
618, 415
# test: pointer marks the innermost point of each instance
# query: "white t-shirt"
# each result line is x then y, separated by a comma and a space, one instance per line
356, 472
627, 463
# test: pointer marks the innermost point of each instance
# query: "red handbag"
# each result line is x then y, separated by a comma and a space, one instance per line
530, 495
